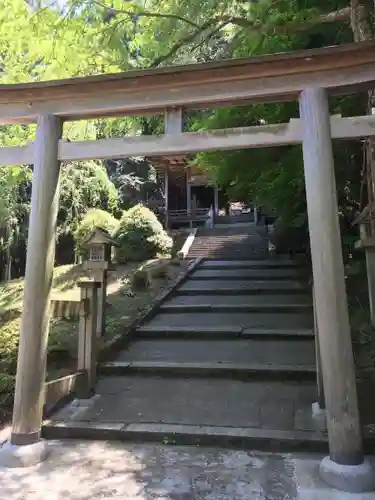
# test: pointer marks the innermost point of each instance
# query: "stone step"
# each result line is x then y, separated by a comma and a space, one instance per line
277, 262
244, 274
239, 321
240, 303
242, 351
212, 333
237, 306
260, 415
207, 333
230, 254
225, 287
198, 402
248, 438
225, 256
237, 371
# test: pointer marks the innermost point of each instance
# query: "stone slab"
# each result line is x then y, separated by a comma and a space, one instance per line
239, 351
236, 371
232, 320
195, 401
244, 264
267, 334
198, 435
240, 300
237, 303
203, 287
223, 333
244, 274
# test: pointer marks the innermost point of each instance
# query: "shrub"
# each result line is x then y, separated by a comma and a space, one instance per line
9, 337
141, 236
93, 218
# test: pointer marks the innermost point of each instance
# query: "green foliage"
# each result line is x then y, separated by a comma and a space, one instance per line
92, 219
9, 337
84, 185
135, 180
14, 205
141, 236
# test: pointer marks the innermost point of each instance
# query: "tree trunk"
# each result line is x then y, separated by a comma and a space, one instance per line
361, 15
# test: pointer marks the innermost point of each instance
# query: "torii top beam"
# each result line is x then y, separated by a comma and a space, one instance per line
277, 77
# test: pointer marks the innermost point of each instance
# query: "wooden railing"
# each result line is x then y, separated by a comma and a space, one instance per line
187, 215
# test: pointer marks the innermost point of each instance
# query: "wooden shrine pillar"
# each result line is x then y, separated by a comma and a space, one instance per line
32, 353
344, 432
172, 127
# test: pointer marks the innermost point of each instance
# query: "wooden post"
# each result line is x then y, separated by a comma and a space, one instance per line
87, 335
172, 126
32, 352
188, 203
166, 196
216, 202
344, 433
173, 121
102, 301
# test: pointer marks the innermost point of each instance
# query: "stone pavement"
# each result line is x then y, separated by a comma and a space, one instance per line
113, 471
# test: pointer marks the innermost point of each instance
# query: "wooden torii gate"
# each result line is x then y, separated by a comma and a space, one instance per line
307, 76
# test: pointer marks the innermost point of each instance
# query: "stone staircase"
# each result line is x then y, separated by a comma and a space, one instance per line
227, 360
232, 242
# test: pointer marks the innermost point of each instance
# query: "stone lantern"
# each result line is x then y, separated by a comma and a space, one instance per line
99, 245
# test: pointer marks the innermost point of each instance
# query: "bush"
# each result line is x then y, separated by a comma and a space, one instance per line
141, 236
93, 218
9, 337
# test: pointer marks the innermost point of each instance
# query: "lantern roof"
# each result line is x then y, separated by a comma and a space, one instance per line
99, 236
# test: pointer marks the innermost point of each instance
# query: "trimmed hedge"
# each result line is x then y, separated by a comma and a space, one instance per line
141, 236
94, 218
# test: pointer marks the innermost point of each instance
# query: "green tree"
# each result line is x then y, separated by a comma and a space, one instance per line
14, 209
84, 185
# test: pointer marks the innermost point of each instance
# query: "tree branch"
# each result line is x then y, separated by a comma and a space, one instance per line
141, 13
183, 41
331, 17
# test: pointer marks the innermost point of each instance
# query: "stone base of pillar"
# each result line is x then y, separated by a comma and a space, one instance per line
349, 478
317, 410
14, 456
319, 416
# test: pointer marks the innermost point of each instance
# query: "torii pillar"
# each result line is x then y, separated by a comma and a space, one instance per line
345, 468
26, 447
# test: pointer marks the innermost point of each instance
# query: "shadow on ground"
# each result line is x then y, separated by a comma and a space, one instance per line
100, 470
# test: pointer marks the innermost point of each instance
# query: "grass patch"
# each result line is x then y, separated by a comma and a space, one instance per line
124, 306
